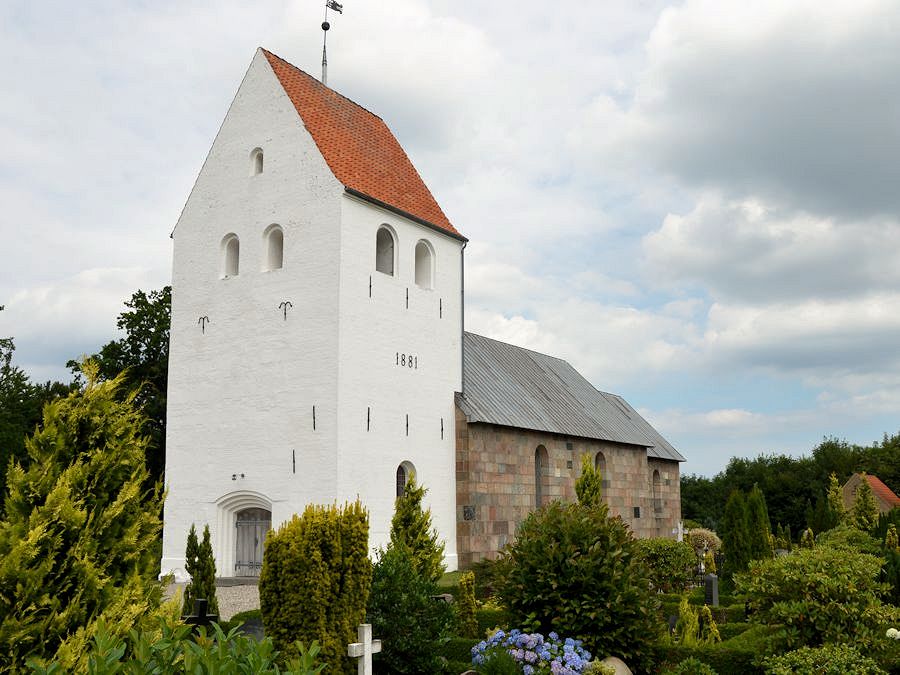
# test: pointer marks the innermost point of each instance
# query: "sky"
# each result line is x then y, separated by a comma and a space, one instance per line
695, 203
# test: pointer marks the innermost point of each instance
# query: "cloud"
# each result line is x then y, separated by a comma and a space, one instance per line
790, 102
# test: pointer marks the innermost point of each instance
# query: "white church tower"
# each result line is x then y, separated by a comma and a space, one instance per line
316, 325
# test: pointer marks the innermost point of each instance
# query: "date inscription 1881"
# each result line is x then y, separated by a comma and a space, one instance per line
407, 361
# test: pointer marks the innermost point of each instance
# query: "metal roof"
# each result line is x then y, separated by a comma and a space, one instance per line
516, 387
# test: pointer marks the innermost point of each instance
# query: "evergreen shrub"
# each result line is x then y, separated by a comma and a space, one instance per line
467, 624
405, 616
574, 570
819, 595
315, 581
671, 564
411, 527
200, 564
736, 535
489, 618
847, 537
485, 571
79, 529
832, 659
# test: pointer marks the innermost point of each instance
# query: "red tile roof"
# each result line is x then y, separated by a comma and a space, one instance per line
882, 491
358, 146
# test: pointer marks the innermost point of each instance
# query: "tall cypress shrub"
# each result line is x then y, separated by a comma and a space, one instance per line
411, 527
201, 565
835, 501
864, 514
736, 535
79, 534
315, 582
758, 522
589, 485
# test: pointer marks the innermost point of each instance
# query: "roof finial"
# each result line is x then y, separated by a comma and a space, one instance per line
339, 8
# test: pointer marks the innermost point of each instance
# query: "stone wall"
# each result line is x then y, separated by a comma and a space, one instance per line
497, 485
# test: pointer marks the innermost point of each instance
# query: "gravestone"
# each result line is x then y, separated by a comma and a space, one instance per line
712, 590
200, 617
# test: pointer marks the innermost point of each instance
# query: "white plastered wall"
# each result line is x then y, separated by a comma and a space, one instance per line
373, 331
241, 392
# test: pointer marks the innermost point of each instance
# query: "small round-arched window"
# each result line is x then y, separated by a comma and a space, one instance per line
405, 473
256, 161
424, 265
541, 475
231, 255
384, 251
274, 237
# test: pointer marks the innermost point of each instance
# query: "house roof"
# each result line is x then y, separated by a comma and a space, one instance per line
882, 491
516, 387
358, 147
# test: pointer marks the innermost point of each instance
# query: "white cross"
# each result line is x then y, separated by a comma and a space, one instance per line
364, 649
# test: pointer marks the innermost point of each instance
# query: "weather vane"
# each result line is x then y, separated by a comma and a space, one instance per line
339, 8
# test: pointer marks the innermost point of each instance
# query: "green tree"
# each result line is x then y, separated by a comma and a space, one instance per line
78, 538
21, 402
315, 581
758, 523
864, 513
201, 565
575, 570
835, 500
405, 616
736, 535
589, 485
411, 527
143, 354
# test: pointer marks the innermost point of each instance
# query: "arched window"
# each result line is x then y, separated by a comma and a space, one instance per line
541, 475
256, 161
384, 251
657, 495
600, 466
231, 249
405, 472
274, 237
424, 265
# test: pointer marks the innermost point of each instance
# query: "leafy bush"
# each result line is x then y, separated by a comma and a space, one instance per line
826, 660
533, 653
691, 666
489, 618
467, 624
80, 528
849, 538
574, 569
315, 581
201, 565
411, 527
405, 615
817, 596
670, 563
737, 655
173, 650
485, 571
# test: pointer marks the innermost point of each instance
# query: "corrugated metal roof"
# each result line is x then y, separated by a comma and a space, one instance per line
516, 387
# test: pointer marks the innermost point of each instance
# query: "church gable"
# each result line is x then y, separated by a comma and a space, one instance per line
360, 150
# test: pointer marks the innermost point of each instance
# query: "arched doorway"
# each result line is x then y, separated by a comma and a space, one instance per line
251, 527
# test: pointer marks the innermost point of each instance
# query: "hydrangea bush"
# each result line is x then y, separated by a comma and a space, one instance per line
536, 654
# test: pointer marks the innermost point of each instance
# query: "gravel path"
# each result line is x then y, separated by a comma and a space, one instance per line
233, 597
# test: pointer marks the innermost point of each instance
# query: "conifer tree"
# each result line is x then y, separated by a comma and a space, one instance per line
807, 540
891, 541
736, 535
864, 515
835, 500
758, 521
200, 564
79, 530
589, 485
411, 527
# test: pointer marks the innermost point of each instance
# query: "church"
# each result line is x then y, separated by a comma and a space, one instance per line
318, 352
